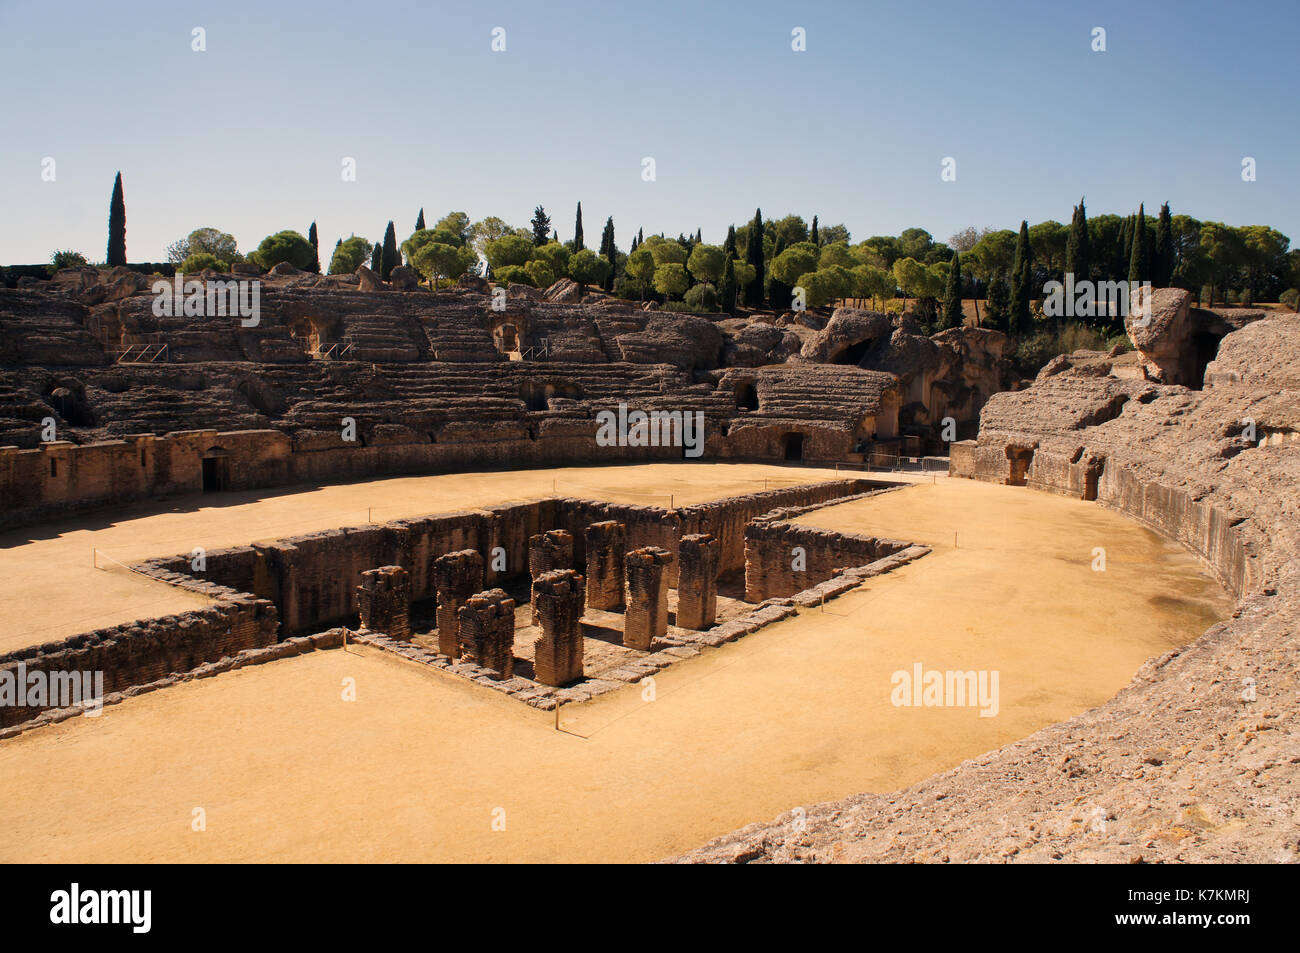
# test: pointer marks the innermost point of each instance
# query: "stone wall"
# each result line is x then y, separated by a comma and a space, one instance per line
137, 653
775, 550
60, 478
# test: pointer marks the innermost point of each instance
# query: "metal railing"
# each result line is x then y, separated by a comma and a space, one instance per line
543, 349
143, 354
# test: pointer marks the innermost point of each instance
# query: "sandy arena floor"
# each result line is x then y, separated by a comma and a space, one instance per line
422, 763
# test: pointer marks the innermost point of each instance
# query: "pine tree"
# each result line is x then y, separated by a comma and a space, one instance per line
1163, 271
315, 247
390, 258
754, 256
728, 298
577, 231
1021, 274
377, 258
813, 237
997, 308
951, 316
419, 221
1077, 250
117, 225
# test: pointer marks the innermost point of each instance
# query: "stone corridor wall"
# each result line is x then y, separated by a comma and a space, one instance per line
136, 653
774, 550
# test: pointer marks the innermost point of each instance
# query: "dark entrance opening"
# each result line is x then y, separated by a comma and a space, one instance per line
853, 354
1205, 348
746, 397
793, 445
1018, 460
216, 474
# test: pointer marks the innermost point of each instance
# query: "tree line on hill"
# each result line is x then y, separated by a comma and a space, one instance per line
785, 263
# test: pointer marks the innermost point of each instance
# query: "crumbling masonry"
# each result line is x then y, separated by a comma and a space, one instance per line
557, 601
487, 632
457, 576
547, 552
606, 550
384, 601
697, 585
647, 597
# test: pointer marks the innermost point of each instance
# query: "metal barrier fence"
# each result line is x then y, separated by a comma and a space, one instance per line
898, 463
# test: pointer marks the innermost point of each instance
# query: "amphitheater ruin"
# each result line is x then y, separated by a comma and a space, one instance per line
405, 488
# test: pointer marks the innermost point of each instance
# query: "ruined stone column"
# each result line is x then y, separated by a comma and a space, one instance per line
487, 632
384, 601
557, 600
697, 581
548, 552
647, 597
606, 550
457, 576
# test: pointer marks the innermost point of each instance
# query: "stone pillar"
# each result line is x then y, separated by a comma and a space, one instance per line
697, 581
457, 576
487, 632
384, 600
548, 552
606, 550
647, 597
557, 600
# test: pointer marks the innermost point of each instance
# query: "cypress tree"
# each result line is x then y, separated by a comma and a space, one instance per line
640, 237
577, 231
813, 237
1148, 245
729, 246
1125, 243
315, 247
390, 258
377, 258
699, 235
609, 251
754, 256
728, 298
541, 225
1021, 273
1077, 251
555, 236
998, 305
419, 221
778, 292
1163, 272
1135, 253
951, 316
117, 225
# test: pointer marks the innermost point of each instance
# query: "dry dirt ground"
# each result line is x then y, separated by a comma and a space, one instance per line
423, 765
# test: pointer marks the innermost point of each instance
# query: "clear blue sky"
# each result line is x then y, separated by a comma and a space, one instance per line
249, 135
